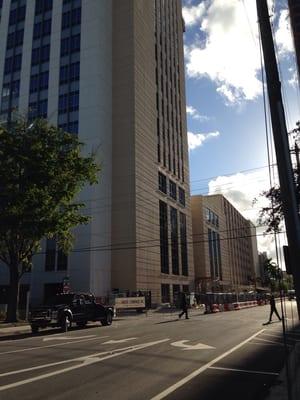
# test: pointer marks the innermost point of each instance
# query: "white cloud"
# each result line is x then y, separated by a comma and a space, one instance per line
197, 139
283, 34
240, 190
190, 110
228, 53
192, 15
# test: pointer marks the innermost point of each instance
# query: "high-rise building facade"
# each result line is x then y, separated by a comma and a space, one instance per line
225, 248
111, 72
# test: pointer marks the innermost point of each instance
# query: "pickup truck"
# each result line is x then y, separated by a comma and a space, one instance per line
65, 309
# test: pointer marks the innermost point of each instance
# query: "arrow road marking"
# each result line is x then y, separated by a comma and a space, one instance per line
83, 362
68, 338
199, 346
119, 341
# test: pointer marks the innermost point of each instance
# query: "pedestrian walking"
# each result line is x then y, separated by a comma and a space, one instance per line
273, 309
183, 305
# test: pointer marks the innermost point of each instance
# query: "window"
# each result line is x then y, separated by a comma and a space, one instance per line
68, 102
15, 39
42, 6
174, 241
42, 29
55, 258
70, 44
164, 245
39, 82
69, 72
11, 89
214, 254
17, 15
181, 194
183, 241
38, 109
50, 255
71, 18
40, 54
165, 293
172, 190
162, 182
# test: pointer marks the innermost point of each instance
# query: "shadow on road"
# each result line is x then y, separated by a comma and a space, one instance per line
42, 333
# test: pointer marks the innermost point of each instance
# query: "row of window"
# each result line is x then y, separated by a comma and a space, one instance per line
42, 28
11, 89
15, 39
55, 259
39, 82
38, 109
214, 254
165, 292
70, 45
69, 73
164, 240
71, 18
68, 102
40, 55
42, 6
13, 64
17, 15
211, 217
162, 186
71, 127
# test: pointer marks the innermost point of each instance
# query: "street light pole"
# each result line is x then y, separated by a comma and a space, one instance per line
285, 170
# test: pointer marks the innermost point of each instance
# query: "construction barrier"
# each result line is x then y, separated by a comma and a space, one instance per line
215, 308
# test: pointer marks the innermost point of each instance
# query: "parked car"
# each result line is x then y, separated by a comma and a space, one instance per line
65, 309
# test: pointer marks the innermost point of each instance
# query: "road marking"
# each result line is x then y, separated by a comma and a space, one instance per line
84, 361
199, 346
68, 338
50, 345
119, 341
198, 371
245, 370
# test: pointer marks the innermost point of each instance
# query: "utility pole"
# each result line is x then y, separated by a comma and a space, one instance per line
285, 170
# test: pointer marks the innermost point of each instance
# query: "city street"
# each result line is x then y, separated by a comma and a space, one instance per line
227, 355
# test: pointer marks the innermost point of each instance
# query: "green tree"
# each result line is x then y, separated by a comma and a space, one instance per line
41, 171
272, 215
273, 274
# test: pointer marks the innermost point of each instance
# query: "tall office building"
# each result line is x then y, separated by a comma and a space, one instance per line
112, 72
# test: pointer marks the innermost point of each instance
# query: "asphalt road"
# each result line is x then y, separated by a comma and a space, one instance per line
230, 355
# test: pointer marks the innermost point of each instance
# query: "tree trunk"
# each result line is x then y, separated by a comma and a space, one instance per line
13, 294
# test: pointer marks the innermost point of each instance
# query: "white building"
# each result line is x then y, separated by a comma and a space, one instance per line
112, 72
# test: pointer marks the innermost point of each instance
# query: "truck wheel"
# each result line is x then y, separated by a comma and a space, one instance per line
66, 323
107, 320
34, 328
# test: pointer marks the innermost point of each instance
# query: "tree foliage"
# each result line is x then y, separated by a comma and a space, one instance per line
41, 172
272, 215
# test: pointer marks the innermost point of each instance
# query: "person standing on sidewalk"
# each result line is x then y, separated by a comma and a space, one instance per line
273, 309
183, 305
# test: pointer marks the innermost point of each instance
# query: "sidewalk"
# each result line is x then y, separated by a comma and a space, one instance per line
279, 391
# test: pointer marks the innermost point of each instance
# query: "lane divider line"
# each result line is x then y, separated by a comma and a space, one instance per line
52, 345
84, 361
198, 371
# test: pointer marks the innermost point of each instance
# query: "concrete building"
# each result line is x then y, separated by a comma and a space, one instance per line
225, 249
112, 72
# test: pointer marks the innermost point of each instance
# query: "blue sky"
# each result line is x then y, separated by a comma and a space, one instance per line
224, 98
